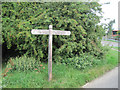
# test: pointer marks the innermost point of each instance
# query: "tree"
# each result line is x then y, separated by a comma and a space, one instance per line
110, 28
80, 18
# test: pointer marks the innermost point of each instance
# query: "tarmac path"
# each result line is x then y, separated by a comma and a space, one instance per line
108, 80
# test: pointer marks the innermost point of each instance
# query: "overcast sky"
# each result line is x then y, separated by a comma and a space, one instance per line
110, 11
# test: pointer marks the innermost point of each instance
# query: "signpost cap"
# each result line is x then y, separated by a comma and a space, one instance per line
50, 26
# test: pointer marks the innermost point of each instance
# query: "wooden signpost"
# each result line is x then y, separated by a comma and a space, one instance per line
50, 32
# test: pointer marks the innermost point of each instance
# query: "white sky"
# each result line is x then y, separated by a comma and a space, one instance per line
110, 11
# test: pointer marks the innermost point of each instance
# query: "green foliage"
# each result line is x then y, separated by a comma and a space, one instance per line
110, 28
118, 32
85, 60
23, 64
82, 62
19, 18
0, 25
116, 37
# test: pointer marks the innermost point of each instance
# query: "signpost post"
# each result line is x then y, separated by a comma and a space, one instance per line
50, 32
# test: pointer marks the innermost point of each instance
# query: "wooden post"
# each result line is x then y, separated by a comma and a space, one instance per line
50, 54
50, 32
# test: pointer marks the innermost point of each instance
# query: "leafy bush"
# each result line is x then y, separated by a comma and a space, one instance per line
81, 62
86, 59
117, 37
19, 18
23, 64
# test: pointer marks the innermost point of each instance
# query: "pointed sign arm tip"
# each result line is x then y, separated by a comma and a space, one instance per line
70, 32
32, 31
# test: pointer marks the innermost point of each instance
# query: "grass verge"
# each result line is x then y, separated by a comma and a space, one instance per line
63, 76
112, 40
117, 48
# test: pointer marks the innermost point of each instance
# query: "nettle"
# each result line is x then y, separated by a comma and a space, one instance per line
23, 64
19, 18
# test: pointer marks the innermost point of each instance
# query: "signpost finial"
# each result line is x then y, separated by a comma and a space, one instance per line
50, 26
